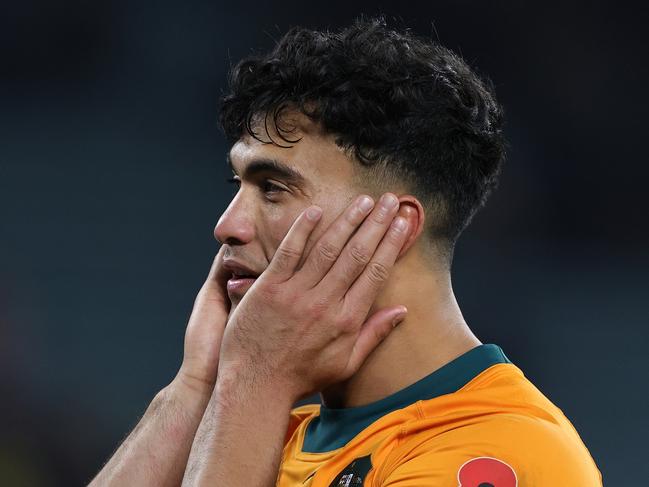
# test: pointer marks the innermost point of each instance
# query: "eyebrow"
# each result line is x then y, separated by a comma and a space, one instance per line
270, 166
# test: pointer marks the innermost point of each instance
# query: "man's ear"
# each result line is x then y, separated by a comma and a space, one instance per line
411, 209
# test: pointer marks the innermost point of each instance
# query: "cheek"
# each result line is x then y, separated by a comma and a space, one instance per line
274, 228
278, 224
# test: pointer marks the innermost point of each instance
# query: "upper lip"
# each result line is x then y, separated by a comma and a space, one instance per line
238, 268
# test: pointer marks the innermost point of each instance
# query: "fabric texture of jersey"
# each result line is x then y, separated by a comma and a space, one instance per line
475, 422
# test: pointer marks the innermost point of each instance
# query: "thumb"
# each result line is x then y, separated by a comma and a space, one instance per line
374, 330
218, 275
212, 303
214, 290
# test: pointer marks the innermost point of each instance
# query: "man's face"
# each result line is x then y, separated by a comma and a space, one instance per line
267, 203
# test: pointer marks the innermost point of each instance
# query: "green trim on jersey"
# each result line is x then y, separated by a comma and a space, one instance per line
334, 428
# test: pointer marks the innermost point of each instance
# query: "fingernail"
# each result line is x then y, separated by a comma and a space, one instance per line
399, 318
314, 213
399, 223
366, 204
389, 201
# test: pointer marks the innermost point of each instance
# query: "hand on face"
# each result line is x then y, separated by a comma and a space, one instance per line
304, 329
205, 330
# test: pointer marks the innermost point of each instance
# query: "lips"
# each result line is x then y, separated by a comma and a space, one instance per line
242, 276
239, 270
238, 285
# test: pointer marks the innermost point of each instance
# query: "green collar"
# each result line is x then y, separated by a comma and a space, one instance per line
334, 428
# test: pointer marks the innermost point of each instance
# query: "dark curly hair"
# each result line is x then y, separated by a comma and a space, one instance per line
411, 112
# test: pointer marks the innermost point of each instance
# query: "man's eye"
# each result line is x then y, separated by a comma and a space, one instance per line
267, 186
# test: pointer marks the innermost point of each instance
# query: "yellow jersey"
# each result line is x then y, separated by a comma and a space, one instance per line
475, 422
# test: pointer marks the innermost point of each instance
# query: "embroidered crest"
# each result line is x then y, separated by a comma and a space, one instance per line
353, 475
486, 472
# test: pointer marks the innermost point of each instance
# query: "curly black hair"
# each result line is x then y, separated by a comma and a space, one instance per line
410, 111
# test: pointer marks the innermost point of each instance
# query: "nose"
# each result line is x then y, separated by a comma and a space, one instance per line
236, 224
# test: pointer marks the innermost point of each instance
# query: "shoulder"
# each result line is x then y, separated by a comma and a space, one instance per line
502, 449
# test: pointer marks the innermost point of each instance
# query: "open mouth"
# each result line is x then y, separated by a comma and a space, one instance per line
242, 276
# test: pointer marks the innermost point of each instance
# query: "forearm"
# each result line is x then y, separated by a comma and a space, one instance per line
156, 451
240, 439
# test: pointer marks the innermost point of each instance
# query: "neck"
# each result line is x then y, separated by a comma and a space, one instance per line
433, 333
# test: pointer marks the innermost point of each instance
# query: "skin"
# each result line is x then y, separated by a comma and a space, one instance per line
298, 329
310, 323
254, 224
182, 435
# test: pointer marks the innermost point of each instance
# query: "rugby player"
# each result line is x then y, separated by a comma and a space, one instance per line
360, 156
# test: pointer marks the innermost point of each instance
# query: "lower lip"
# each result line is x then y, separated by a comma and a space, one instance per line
238, 285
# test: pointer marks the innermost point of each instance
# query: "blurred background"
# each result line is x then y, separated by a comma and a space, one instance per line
112, 177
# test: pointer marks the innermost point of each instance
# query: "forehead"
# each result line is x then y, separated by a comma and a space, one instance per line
314, 155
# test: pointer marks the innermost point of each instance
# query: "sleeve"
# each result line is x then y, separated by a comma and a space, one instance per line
503, 453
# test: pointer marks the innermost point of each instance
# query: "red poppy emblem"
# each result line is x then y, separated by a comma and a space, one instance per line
486, 472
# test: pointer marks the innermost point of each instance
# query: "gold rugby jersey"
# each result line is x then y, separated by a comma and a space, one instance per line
475, 422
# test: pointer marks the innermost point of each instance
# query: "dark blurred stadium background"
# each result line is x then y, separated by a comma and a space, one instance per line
112, 178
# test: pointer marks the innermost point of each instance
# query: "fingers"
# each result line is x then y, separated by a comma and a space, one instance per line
356, 255
288, 254
363, 292
375, 329
213, 291
218, 276
326, 250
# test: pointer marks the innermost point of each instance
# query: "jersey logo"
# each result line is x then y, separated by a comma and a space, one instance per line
353, 475
486, 472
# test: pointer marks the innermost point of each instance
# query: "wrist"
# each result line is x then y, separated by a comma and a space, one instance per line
189, 395
242, 384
